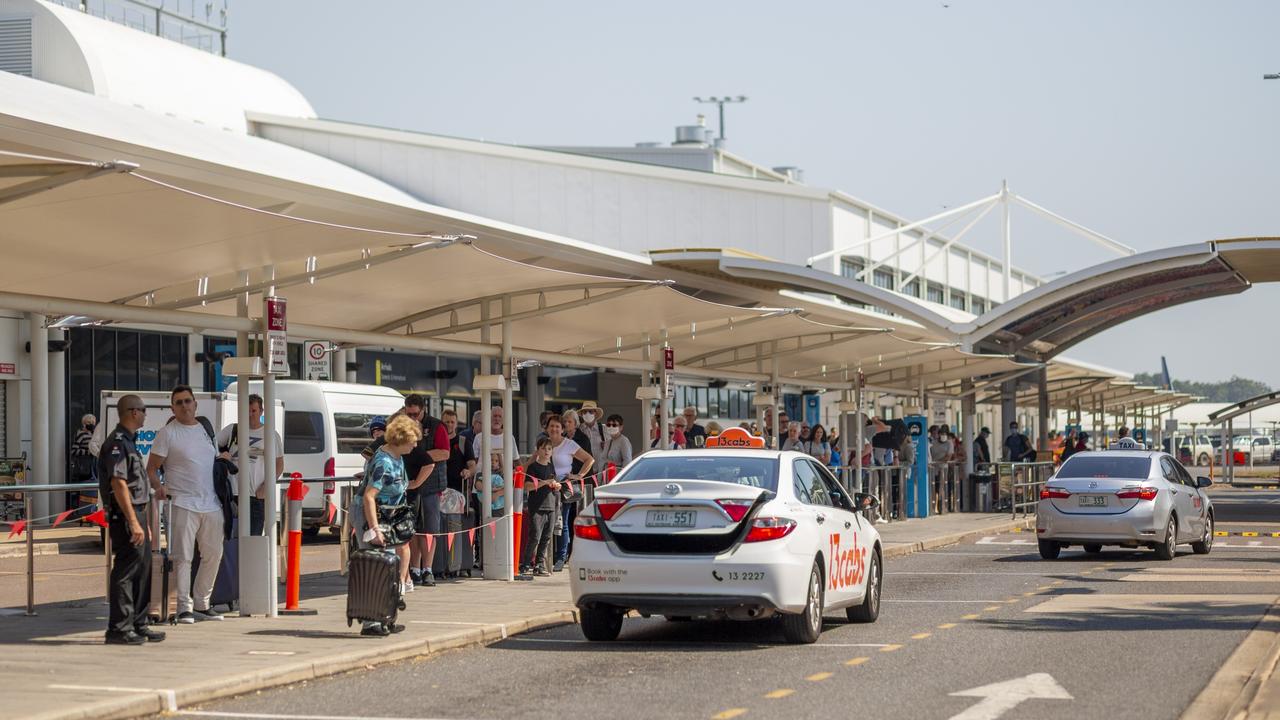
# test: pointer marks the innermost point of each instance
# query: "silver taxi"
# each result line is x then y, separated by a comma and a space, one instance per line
1127, 496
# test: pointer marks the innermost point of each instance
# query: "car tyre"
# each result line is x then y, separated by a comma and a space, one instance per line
1169, 548
1049, 550
1206, 541
1093, 548
869, 609
806, 626
1203, 460
600, 624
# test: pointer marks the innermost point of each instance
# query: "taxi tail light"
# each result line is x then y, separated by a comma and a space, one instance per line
770, 528
587, 528
737, 509
608, 507
1048, 492
1137, 493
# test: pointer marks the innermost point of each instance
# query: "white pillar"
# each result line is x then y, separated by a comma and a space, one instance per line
271, 511
505, 531
40, 460
664, 405
57, 421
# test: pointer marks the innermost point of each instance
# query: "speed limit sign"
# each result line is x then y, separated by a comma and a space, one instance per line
317, 360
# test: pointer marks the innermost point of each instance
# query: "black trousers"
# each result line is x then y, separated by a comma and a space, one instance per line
130, 573
542, 526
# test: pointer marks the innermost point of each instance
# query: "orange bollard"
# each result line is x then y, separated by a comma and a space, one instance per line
293, 561
517, 519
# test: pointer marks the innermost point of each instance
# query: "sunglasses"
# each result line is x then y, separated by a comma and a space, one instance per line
185, 401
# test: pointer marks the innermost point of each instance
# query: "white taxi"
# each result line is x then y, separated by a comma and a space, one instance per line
730, 531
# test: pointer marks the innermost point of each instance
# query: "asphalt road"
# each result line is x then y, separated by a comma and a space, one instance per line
1246, 504
1122, 634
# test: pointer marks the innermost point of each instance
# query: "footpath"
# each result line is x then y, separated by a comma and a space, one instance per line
56, 667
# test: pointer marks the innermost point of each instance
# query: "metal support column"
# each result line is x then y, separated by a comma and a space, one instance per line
1007, 234
1008, 413
968, 418
1042, 395
271, 509
58, 421
859, 434
40, 460
505, 530
664, 405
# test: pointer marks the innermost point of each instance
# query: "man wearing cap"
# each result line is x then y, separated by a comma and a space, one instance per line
981, 450
1017, 447
125, 492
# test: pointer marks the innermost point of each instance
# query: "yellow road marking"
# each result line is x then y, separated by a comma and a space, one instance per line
989, 608
1056, 582
1017, 529
730, 713
856, 661
819, 677
920, 636
1248, 534
946, 626
1221, 533
1085, 572
974, 616
1014, 600
781, 693
890, 648
1275, 534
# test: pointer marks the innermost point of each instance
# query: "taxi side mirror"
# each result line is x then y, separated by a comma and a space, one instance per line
1204, 482
865, 501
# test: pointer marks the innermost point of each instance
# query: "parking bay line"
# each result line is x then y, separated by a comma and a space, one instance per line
569, 641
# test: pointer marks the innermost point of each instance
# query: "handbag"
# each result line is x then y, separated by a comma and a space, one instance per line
396, 523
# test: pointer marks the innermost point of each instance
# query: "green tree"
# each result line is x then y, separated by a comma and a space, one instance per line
1228, 391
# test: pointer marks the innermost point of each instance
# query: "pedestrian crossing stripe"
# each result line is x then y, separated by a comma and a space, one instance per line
1224, 533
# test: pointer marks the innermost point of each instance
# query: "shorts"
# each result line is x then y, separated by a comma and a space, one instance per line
426, 512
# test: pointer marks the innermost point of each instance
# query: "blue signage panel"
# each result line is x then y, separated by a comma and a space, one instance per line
918, 481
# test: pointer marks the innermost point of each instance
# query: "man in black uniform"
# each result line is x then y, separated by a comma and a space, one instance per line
125, 490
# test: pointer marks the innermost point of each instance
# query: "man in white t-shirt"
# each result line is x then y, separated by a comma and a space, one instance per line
496, 436
184, 449
228, 444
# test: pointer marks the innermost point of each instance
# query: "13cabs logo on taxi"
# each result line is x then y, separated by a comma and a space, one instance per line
846, 567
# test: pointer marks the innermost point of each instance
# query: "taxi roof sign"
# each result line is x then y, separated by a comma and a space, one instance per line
1127, 443
736, 437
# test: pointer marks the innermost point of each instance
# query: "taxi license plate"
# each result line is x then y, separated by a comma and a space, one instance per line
1093, 500
671, 518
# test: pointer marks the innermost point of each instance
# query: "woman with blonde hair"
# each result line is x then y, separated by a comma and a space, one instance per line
382, 493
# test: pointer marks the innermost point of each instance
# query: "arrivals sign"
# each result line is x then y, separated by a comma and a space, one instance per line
276, 345
316, 357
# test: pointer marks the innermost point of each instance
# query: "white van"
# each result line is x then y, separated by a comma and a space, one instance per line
326, 425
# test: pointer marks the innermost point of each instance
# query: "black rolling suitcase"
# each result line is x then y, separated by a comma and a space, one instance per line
447, 561
373, 587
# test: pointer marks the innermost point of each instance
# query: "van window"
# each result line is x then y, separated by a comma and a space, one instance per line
303, 433
353, 431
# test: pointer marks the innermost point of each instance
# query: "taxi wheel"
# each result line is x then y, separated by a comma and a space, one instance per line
1049, 550
1169, 548
1206, 541
600, 624
805, 627
869, 610
1093, 548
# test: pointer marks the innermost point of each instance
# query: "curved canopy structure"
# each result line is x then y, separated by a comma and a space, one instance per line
1244, 407
1053, 317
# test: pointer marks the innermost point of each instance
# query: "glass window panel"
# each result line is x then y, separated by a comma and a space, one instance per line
173, 357
149, 361
126, 361
104, 361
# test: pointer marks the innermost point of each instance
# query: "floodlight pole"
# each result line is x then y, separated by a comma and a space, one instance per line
1008, 238
720, 103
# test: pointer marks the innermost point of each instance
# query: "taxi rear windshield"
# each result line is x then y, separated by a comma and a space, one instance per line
756, 472
1094, 466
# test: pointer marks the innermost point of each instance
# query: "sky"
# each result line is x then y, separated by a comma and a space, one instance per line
1148, 122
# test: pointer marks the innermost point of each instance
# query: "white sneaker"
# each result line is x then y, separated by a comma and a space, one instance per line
407, 587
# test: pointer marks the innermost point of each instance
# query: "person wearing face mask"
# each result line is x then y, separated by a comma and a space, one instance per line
617, 447
82, 460
592, 417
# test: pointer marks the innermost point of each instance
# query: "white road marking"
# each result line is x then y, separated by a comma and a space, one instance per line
984, 602
170, 698
978, 554
275, 716
271, 652
991, 540
999, 698
566, 641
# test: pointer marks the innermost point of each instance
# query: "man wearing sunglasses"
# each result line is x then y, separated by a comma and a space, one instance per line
124, 491
184, 449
